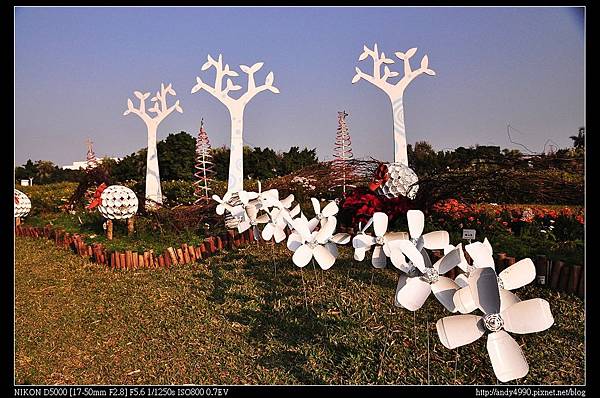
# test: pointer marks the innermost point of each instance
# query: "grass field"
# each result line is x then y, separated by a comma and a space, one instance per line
232, 320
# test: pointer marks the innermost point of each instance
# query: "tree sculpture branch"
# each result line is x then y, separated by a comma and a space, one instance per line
159, 106
380, 59
222, 72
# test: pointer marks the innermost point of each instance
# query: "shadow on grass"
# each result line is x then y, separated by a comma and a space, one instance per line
290, 330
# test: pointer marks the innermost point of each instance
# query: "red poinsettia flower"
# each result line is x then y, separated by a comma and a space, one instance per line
360, 204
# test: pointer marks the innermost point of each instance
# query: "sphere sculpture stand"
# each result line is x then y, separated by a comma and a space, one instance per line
109, 229
117, 202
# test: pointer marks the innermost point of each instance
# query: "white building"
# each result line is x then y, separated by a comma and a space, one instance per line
81, 165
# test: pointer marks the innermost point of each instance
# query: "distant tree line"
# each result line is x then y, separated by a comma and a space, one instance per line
45, 172
176, 157
425, 161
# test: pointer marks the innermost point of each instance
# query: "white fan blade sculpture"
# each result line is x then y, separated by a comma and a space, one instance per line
267, 198
287, 202
517, 275
340, 238
412, 248
413, 290
331, 209
306, 244
279, 218
361, 249
223, 204
252, 220
436, 240
382, 242
527, 316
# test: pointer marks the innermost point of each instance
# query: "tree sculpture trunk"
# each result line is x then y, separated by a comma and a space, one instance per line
400, 152
236, 110
236, 156
153, 191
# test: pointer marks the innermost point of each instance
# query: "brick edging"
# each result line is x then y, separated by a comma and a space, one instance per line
554, 274
128, 259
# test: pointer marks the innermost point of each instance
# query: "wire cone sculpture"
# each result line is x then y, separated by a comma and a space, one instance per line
342, 152
204, 166
91, 156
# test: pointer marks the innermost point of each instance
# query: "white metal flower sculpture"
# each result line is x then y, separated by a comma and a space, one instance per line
414, 288
382, 239
331, 209
523, 317
306, 244
517, 275
279, 218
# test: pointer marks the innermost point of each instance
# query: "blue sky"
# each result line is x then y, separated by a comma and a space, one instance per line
76, 67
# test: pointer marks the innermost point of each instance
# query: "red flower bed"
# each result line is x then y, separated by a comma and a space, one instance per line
528, 213
360, 204
565, 220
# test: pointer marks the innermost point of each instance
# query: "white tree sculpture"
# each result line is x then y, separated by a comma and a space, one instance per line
394, 91
153, 191
236, 110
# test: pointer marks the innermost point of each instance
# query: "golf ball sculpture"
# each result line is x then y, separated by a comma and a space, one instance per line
118, 202
22, 204
401, 180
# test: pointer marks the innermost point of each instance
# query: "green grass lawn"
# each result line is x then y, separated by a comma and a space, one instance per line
231, 319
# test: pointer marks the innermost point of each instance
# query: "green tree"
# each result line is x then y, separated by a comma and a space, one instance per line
221, 161
261, 163
26, 171
131, 167
176, 157
295, 159
423, 159
45, 169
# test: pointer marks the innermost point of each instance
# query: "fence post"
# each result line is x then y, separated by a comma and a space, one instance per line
557, 267
541, 270
563, 283
574, 277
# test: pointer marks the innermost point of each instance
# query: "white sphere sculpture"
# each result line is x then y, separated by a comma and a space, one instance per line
22, 204
118, 202
400, 182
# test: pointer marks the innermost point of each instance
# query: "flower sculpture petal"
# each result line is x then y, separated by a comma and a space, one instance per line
382, 242
307, 244
517, 275
413, 289
331, 209
505, 354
